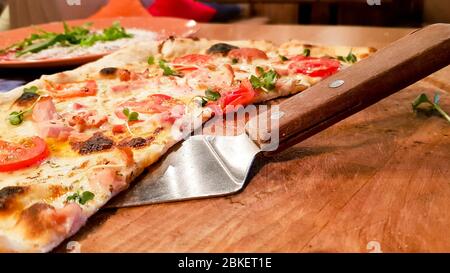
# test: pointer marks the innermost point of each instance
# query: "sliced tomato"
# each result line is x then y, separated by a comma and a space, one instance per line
190, 62
192, 59
72, 90
314, 67
242, 95
124, 75
119, 129
248, 54
28, 152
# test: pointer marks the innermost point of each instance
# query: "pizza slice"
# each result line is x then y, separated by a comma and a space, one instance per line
73, 140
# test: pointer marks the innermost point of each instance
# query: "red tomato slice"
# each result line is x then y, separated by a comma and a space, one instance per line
119, 128
243, 95
15, 156
190, 62
314, 67
247, 54
192, 59
72, 90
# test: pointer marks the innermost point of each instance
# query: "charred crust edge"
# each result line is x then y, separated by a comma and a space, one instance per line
108, 71
27, 98
97, 143
221, 48
8, 194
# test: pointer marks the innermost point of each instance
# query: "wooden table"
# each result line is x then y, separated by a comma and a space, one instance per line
379, 177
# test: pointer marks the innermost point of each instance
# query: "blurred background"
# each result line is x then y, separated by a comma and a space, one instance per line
400, 13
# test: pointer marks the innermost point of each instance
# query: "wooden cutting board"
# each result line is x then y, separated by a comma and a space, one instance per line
378, 181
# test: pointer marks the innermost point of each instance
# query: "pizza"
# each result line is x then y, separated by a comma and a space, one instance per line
71, 141
74, 41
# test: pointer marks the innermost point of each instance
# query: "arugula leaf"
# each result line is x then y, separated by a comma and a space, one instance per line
266, 81
132, 116
307, 52
85, 197
167, 70
16, 118
76, 35
255, 81
283, 58
151, 60
423, 98
210, 95
39, 46
350, 58
115, 32
32, 89
73, 197
82, 198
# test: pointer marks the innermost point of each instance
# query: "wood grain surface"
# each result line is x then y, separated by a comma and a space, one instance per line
380, 176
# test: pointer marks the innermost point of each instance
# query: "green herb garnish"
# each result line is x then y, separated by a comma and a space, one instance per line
266, 80
307, 52
82, 198
131, 116
39, 46
16, 117
167, 70
210, 95
283, 58
151, 60
32, 89
423, 98
350, 58
78, 35
234, 61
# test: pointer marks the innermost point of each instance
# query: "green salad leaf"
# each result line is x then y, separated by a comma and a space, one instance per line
423, 99
82, 198
72, 35
265, 81
350, 58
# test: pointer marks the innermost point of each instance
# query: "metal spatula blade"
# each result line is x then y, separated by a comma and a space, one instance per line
201, 166
205, 166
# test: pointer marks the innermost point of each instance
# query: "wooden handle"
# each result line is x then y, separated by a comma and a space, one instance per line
393, 68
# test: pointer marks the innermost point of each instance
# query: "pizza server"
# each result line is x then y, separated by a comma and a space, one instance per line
207, 166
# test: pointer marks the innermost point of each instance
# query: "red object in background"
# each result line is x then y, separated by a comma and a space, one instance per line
188, 9
116, 8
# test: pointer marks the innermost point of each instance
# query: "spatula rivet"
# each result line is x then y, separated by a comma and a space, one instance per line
337, 83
